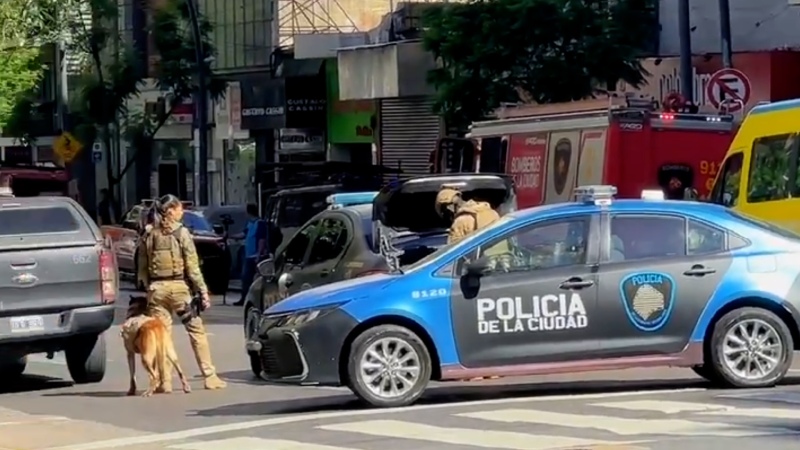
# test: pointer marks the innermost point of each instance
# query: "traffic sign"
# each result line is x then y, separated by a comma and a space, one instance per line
97, 156
729, 84
67, 147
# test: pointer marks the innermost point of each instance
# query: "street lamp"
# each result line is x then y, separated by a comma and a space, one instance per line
201, 106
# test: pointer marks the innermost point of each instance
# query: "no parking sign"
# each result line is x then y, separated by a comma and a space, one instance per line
731, 85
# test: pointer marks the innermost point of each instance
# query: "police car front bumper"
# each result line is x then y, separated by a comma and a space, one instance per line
297, 350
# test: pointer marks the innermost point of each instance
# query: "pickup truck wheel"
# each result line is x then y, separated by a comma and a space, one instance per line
251, 320
86, 359
13, 369
389, 366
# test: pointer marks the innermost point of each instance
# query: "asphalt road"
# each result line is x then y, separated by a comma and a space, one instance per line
621, 410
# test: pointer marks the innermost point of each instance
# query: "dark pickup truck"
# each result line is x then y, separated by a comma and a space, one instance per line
58, 285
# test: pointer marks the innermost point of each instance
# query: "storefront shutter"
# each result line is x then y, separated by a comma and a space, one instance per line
409, 130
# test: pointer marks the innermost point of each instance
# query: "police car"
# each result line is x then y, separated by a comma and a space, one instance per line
595, 284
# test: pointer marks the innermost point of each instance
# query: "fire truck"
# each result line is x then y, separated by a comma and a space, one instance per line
627, 142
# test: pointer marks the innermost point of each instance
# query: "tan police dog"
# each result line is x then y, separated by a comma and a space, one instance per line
150, 338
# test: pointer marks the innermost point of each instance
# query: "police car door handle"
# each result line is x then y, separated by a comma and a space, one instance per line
699, 271
576, 283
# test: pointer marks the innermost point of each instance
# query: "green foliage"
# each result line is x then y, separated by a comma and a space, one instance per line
24, 26
116, 74
546, 51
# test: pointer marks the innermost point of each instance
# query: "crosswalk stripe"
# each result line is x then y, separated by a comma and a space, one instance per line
662, 406
462, 436
251, 443
703, 409
618, 425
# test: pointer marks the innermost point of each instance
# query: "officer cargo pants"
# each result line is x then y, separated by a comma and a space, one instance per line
167, 298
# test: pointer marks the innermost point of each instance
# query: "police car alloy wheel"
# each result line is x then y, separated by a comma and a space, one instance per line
751, 347
389, 366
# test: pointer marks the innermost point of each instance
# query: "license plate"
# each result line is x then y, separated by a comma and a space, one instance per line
27, 323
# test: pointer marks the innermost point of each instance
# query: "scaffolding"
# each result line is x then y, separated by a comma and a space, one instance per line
313, 17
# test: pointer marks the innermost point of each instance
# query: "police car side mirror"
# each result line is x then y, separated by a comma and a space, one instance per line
478, 268
266, 268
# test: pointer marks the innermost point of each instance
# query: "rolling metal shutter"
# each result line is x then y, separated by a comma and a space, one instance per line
409, 130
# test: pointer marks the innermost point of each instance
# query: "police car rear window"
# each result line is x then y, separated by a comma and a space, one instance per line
26, 221
766, 226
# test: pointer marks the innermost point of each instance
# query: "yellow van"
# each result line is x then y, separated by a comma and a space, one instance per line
759, 173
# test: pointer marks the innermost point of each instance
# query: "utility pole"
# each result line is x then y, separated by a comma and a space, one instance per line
201, 107
685, 37
725, 33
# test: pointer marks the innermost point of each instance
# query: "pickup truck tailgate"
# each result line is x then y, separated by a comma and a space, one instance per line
49, 260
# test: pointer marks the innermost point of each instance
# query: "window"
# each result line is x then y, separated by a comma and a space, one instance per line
330, 242
296, 249
20, 221
196, 222
635, 237
769, 168
726, 191
541, 246
703, 239
299, 209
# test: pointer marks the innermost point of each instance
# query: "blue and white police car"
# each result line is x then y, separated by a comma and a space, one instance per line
595, 284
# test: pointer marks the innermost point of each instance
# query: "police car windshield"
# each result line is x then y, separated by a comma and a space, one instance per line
468, 241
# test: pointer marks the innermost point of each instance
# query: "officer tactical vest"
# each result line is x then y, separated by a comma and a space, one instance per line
166, 255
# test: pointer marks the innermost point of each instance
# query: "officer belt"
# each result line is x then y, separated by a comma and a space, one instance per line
174, 278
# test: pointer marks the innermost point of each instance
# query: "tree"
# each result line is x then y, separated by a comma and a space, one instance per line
547, 51
24, 27
116, 73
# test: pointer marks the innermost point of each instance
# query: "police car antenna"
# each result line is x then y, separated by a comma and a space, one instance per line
600, 195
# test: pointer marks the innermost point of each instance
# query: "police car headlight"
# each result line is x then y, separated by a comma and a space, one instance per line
300, 317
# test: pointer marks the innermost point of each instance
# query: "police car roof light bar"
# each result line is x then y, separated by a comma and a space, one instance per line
350, 199
600, 195
652, 194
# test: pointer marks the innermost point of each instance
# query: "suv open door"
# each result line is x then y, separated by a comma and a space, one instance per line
408, 208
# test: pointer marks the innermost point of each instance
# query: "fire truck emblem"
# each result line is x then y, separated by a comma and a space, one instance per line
561, 159
648, 299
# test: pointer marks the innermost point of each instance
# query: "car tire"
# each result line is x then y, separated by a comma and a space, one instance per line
86, 359
12, 370
723, 369
251, 320
707, 372
391, 335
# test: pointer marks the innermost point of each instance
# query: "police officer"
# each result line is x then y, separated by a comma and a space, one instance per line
467, 216
167, 257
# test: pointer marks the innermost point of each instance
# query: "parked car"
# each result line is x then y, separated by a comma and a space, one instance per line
211, 246
356, 241
595, 284
58, 285
230, 221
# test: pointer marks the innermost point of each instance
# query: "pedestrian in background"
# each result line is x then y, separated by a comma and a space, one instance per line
106, 211
255, 249
167, 257
5, 186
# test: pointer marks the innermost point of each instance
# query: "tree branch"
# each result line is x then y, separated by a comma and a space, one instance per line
160, 123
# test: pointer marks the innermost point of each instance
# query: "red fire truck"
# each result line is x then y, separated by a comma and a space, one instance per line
625, 142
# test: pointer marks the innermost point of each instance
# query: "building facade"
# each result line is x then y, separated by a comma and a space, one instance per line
755, 26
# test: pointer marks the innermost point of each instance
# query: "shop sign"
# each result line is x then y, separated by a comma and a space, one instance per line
262, 103
301, 139
349, 121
